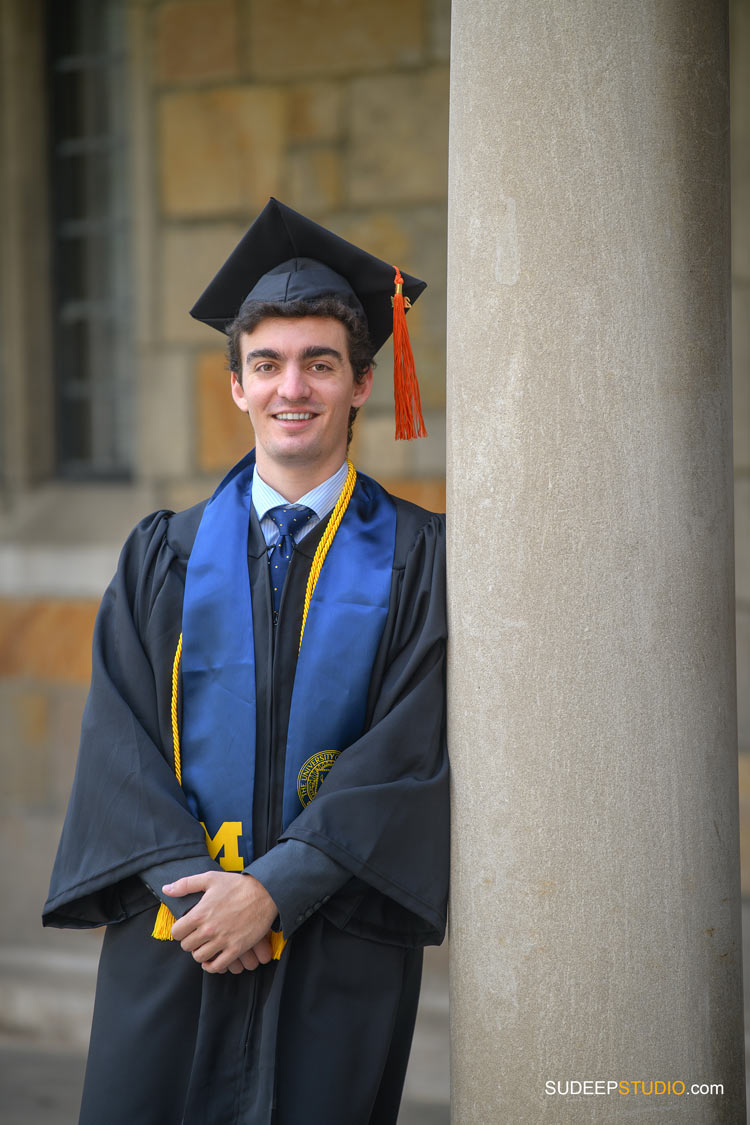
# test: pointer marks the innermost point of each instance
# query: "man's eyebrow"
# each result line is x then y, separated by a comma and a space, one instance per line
314, 351
262, 353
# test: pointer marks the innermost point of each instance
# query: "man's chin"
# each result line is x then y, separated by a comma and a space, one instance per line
302, 457
297, 453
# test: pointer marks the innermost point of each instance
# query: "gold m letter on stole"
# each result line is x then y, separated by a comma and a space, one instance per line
226, 838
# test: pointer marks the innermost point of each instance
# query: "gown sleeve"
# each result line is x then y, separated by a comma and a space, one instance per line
382, 811
127, 812
300, 879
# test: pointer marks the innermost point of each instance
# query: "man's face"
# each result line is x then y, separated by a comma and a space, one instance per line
298, 387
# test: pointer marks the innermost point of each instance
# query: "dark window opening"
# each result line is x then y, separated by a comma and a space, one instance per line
91, 291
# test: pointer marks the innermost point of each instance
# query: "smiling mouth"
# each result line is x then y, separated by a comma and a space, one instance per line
296, 416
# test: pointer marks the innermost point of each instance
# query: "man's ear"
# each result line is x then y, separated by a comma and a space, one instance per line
238, 394
363, 389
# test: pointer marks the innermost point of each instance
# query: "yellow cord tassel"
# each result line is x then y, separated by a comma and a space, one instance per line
278, 941
165, 919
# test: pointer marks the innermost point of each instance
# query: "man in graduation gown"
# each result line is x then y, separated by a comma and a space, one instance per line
259, 814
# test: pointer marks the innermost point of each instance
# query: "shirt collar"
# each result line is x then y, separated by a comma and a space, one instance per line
321, 499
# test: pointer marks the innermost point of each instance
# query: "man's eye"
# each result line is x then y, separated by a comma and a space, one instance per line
321, 367
264, 367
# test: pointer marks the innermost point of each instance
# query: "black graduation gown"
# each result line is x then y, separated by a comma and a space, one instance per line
324, 1034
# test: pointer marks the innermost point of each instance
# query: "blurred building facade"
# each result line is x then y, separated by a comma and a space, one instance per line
138, 140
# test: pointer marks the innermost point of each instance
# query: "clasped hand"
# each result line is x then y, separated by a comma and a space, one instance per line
228, 929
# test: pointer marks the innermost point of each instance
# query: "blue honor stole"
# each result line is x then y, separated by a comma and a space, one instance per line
344, 626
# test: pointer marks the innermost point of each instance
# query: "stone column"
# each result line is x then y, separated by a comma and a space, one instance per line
595, 912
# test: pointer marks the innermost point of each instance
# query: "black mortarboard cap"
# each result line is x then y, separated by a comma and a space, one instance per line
262, 266
287, 257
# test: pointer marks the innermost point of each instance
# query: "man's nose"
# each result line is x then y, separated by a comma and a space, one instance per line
293, 385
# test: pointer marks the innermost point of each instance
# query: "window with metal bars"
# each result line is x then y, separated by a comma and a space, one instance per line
91, 292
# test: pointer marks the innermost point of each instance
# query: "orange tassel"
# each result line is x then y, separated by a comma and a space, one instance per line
409, 420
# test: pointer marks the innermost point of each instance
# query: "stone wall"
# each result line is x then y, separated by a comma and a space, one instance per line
340, 110
44, 671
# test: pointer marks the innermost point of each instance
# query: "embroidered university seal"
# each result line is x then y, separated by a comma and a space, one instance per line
313, 773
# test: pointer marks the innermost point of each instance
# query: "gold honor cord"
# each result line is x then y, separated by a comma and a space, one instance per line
175, 721
333, 525
165, 919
